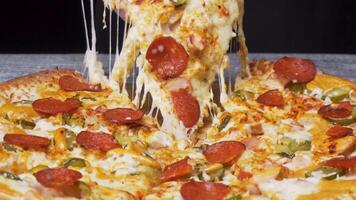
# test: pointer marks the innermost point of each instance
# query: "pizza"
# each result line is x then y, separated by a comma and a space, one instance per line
156, 128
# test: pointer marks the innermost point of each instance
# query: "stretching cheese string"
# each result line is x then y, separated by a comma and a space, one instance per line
243, 50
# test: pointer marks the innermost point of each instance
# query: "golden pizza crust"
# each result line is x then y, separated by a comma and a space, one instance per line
23, 87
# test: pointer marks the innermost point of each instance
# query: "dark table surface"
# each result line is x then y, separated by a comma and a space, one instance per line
14, 65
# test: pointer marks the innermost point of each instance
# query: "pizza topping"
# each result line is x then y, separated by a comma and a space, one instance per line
223, 11
282, 173
240, 94
329, 173
59, 140
346, 121
287, 147
224, 121
177, 170
212, 169
9, 147
339, 131
28, 141
271, 98
338, 94
343, 146
223, 152
341, 162
253, 189
23, 102
51, 106
342, 110
167, 57
196, 42
9, 175
38, 168
84, 188
297, 70
57, 178
138, 2
179, 83
235, 197
25, 124
251, 143
69, 137
97, 141
75, 162
123, 116
178, 3
256, 129
243, 175
215, 171
297, 88
186, 106
70, 83
193, 190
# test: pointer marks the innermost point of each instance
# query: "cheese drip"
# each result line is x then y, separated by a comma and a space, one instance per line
243, 50
92, 65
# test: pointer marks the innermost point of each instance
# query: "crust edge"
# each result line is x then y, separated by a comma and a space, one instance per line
21, 86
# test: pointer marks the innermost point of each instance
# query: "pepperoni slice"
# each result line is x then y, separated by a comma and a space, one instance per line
186, 107
339, 131
177, 170
51, 106
271, 98
342, 162
167, 57
70, 83
28, 141
243, 175
123, 115
297, 70
223, 152
204, 190
97, 141
342, 110
57, 178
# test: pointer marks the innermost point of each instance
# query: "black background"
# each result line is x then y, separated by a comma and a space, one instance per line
304, 26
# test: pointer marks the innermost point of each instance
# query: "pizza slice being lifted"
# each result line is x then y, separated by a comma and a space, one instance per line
178, 47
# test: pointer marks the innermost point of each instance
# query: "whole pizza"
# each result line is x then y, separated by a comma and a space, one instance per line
158, 128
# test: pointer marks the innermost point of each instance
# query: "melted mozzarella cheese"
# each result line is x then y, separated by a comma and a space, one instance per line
2, 134
91, 62
290, 188
168, 190
299, 134
160, 139
8, 162
29, 188
302, 159
43, 125
33, 159
132, 184
119, 164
